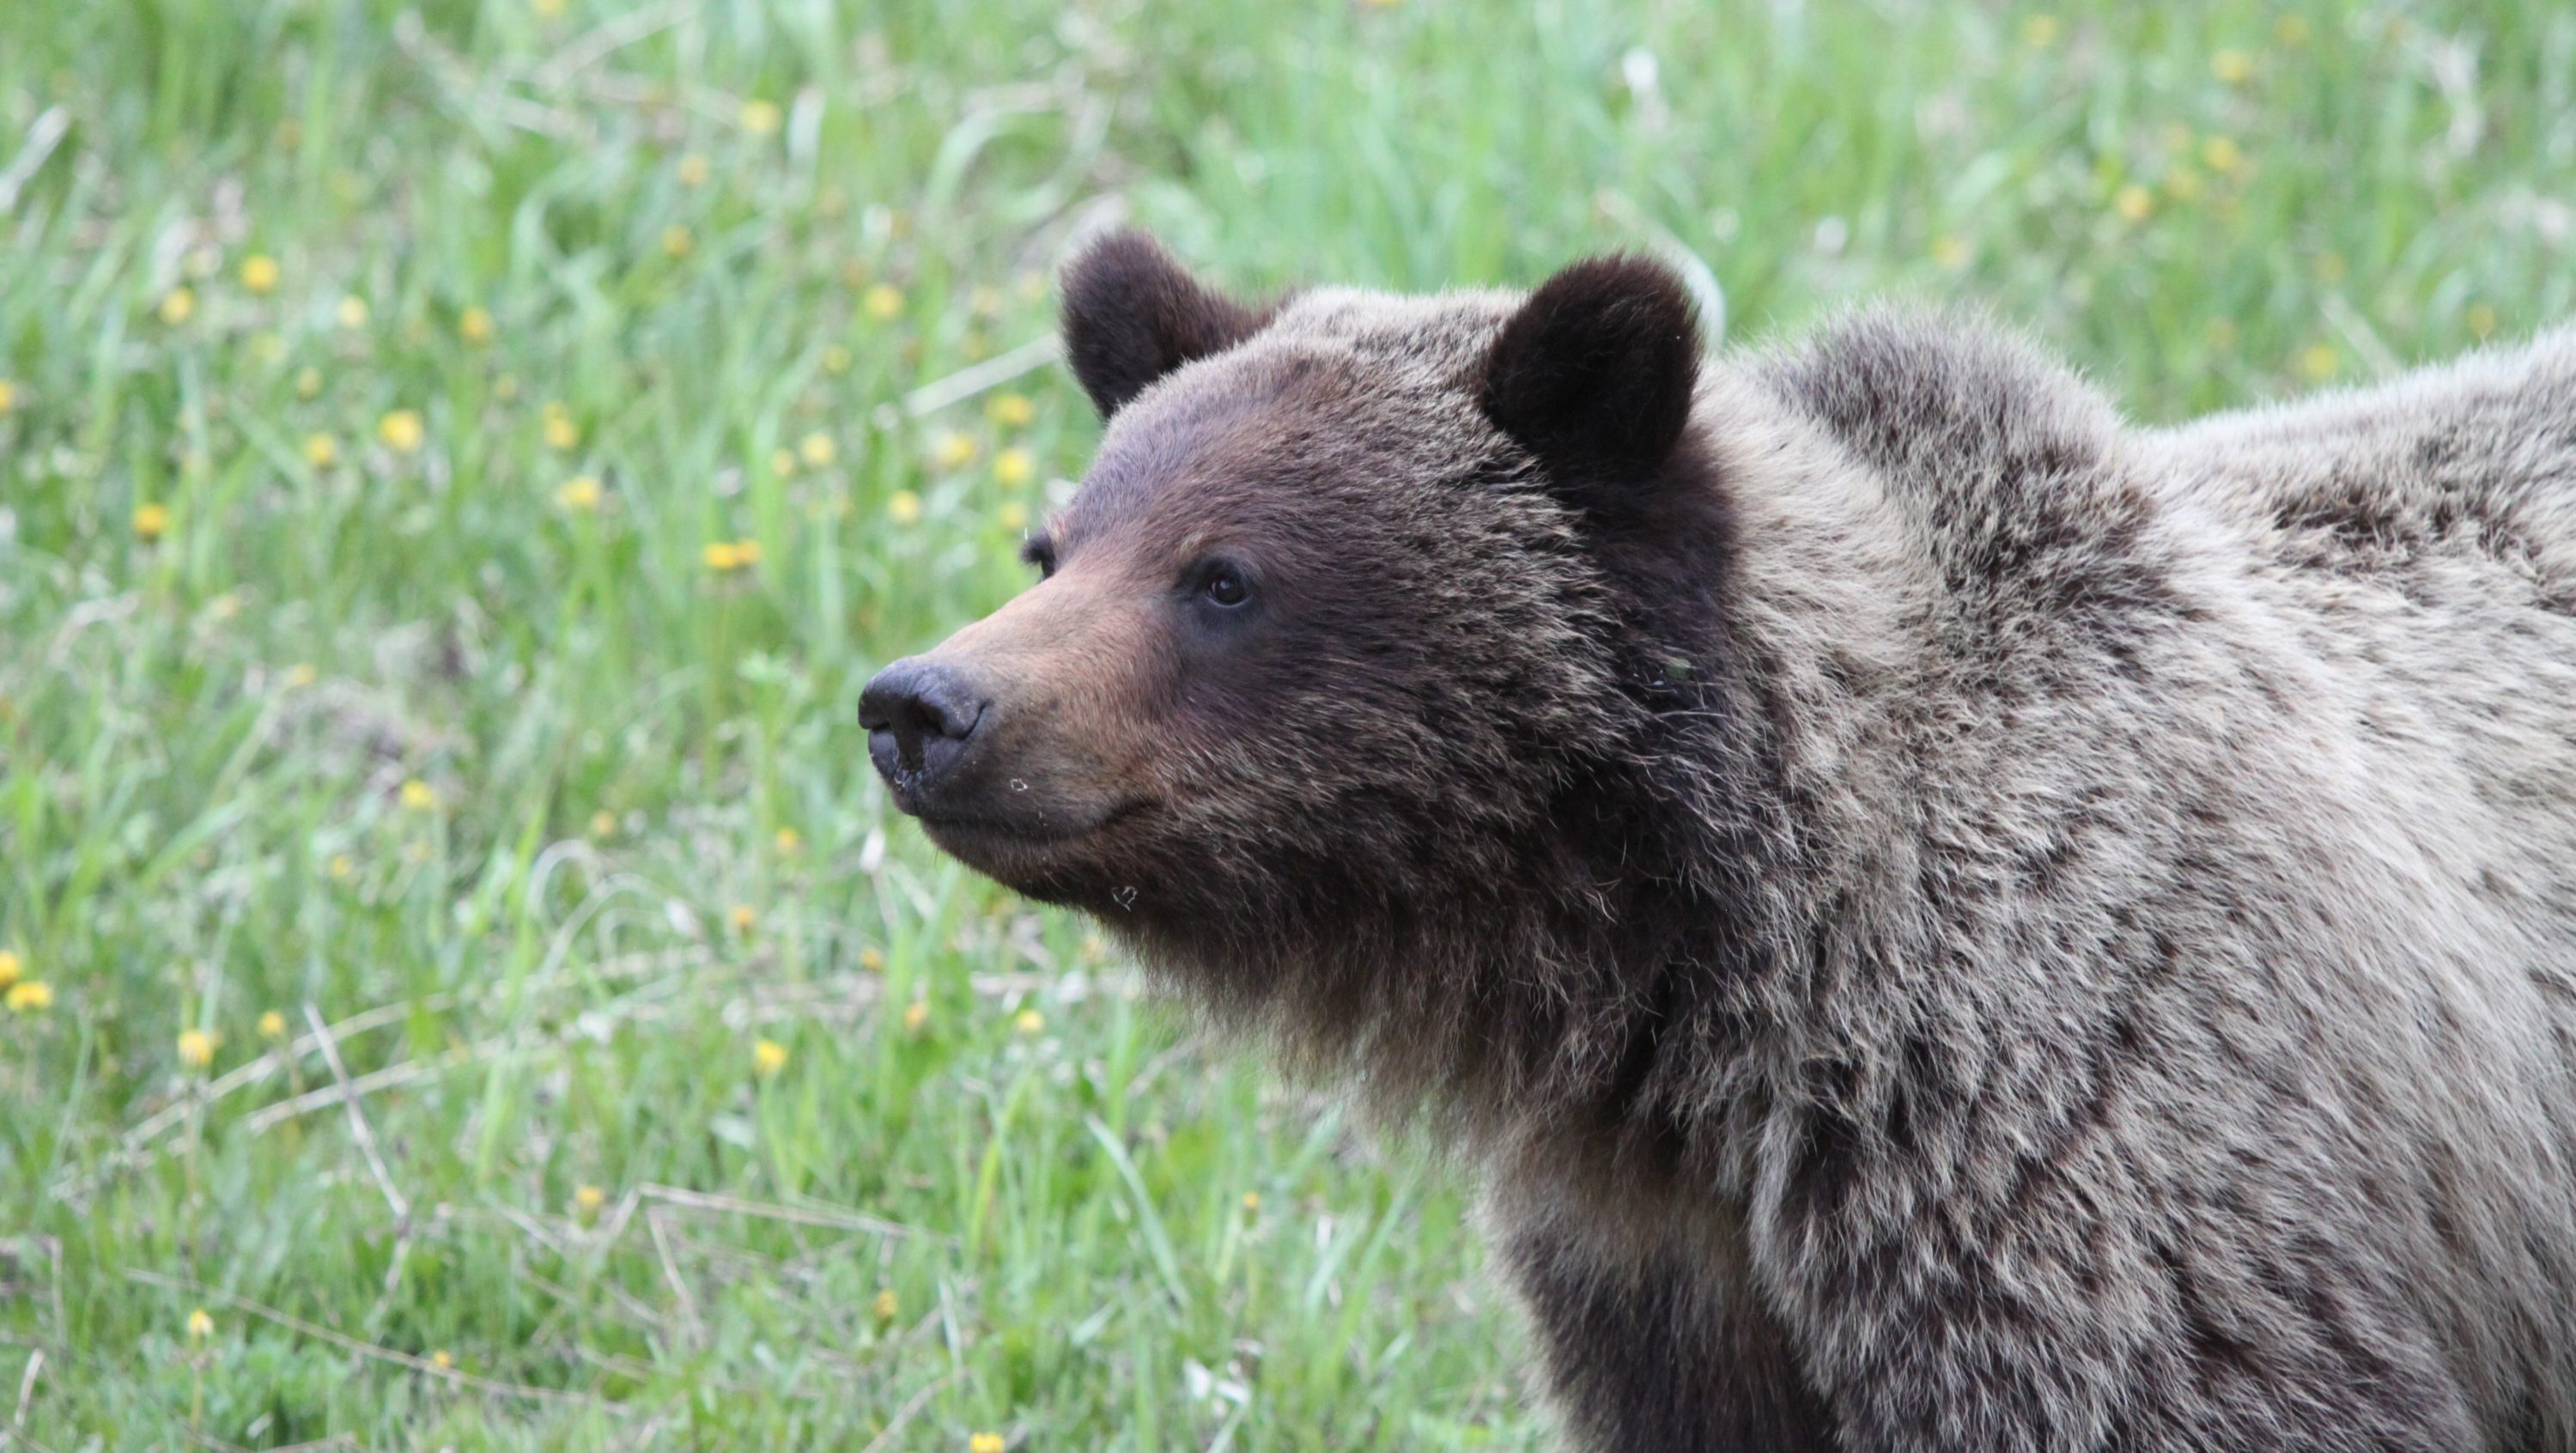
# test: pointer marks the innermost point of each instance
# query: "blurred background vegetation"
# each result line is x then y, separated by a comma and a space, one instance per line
459, 460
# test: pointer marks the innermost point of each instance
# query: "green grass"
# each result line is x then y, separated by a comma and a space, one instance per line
644, 837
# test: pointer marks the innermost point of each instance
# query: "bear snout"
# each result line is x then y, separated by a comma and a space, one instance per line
920, 715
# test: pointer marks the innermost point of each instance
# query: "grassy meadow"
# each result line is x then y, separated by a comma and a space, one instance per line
460, 459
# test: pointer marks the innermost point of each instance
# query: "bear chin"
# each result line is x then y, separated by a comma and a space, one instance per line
1071, 865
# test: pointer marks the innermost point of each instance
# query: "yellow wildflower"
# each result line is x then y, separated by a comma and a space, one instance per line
8, 396
761, 118
2318, 361
150, 520
2481, 319
1011, 411
1951, 252
603, 823
743, 918
768, 1056
341, 868
885, 1305
986, 1443
321, 450
1012, 516
884, 302
588, 1199
418, 795
272, 1025
474, 325
2223, 156
1014, 467
2134, 202
561, 431
903, 507
402, 430
872, 960
547, 9
200, 1325
259, 273
952, 450
308, 382
915, 1015
678, 241
1028, 1021
818, 449
836, 359
790, 841
196, 1048
694, 170
301, 675
441, 1360
352, 311
746, 552
10, 968
720, 556
579, 493
1251, 1201
2234, 67
782, 462
178, 305
30, 995
2039, 32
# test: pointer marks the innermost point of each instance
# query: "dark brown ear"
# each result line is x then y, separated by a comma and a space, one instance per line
1132, 314
1594, 375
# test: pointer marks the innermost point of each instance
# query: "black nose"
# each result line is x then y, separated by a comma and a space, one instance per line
919, 715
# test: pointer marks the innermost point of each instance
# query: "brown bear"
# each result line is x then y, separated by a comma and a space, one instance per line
1944, 920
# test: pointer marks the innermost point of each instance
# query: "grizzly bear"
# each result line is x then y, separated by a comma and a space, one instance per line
1944, 920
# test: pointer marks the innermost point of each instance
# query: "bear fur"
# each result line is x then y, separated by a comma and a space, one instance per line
1944, 920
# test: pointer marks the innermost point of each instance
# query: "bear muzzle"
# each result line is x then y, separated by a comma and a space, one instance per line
1025, 744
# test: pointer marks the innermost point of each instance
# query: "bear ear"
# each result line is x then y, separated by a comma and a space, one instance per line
1132, 314
1594, 375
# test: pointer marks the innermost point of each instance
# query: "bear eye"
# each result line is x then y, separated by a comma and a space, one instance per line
1223, 586
1039, 551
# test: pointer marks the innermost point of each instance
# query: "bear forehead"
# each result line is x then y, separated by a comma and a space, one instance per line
1342, 388
1442, 334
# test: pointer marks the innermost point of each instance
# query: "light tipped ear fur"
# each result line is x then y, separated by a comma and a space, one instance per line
1594, 375
1132, 314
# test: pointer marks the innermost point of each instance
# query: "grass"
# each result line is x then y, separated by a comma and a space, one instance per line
459, 463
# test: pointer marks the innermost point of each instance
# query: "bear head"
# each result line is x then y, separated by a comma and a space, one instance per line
1365, 639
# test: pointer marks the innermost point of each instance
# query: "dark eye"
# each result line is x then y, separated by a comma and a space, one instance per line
1039, 551
1224, 587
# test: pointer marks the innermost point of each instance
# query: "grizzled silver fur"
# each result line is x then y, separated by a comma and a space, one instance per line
1970, 926
2184, 895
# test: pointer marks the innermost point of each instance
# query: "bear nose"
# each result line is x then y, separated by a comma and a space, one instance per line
919, 714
